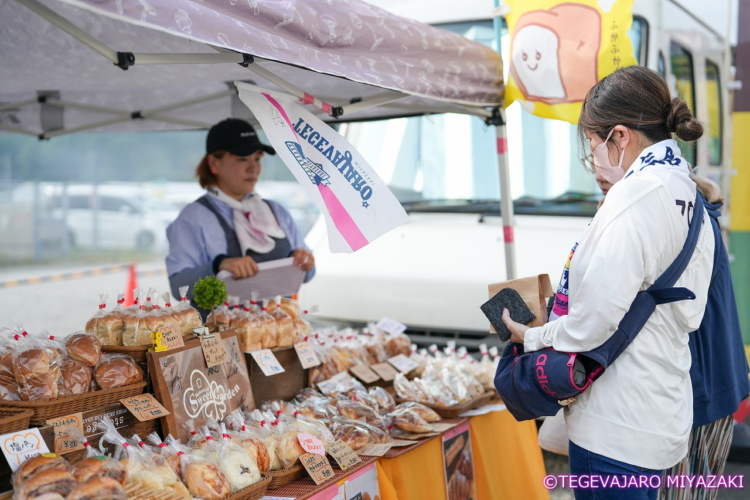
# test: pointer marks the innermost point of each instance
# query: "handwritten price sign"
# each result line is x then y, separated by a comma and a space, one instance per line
144, 407
317, 466
310, 443
171, 336
343, 454
63, 442
306, 355
22, 445
402, 363
267, 362
391, 326
386, 371
213, 350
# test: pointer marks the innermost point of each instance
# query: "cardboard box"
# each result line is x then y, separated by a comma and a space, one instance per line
534, 290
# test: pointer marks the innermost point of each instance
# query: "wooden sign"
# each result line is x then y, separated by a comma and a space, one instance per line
63, 442
317, 466
364, 373
213, 350
306, 354
189, 389
343, 454
144, 407
385, 371
22, 445
267, 362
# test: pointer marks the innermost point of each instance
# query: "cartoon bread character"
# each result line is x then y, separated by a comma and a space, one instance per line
554, 53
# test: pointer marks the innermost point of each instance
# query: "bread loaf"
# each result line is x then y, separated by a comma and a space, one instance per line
117, 371
75, 377
108, 328
84, 347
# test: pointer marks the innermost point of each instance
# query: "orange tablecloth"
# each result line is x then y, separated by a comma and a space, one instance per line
507, 464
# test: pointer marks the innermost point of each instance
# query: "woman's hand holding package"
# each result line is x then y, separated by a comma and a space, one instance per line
517, 330
240, 267
303, 259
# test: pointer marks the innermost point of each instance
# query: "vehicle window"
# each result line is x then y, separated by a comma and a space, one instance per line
114, 204
681, 63
713, 119
638, 34
77, 202
661, 66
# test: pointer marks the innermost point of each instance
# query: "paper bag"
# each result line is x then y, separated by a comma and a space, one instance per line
189, 389
534, 291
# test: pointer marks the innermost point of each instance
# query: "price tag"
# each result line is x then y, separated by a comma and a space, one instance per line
375, 450
171, 336
267, 362
402, 363
364, 373
213, 350
343, 454
310, 443
317, 466
306, 355
22, 445
391, 326
386, 371
144, 407
63, 442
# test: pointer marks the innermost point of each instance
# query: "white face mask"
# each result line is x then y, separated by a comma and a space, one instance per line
611, 173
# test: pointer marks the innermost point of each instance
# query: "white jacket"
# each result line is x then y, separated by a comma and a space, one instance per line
640, 410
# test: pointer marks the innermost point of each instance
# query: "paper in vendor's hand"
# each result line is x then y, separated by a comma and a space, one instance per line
274, 278
534, 290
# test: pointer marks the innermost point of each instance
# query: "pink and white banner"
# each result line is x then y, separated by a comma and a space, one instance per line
357, 204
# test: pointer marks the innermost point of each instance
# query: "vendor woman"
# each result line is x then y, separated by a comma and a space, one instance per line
231, 228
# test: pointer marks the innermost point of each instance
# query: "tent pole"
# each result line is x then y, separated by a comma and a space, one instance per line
506, 199
178, 121
18, 130
89, 126
88, 107
70, 28
209, 58
190, 102
18, 104
372, 102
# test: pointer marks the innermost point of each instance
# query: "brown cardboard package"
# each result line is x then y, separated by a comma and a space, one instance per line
534, 290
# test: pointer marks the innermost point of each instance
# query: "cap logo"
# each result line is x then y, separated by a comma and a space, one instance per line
247, 134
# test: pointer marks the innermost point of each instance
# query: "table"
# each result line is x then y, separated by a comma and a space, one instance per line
507, 463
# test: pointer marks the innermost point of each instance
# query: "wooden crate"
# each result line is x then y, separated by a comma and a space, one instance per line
283, 386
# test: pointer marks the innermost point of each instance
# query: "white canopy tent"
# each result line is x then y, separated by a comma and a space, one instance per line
125, 65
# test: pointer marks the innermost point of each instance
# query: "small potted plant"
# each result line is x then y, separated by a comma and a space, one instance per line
209, 293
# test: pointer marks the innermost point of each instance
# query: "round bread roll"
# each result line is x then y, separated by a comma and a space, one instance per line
289, 449
31, 363
258, 451
75, 377
8, 384
54, 480
39, 389
117, 371
239, 467
98, 488
38, 463
100, 466
206, 481
84, 347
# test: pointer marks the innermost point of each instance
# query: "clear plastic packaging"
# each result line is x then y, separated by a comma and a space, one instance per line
270, 329
117, 370
83, 347
250, 439
269, 437
9, 389
94, 463
284, 324
236, 463
106, 325
191, 318
36, 367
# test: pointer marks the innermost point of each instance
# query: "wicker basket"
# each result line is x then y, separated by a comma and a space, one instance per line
137, 352
14, 419
283, 477
455, 411
53, 408
252, 492
138, 493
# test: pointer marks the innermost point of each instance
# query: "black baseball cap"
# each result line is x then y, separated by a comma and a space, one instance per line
236, 136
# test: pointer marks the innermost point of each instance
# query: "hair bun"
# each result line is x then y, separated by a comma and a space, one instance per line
682, 122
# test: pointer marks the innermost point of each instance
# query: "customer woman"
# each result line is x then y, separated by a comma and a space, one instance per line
231, 227
636, 418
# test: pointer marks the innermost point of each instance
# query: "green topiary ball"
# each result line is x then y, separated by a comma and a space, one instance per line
209, 292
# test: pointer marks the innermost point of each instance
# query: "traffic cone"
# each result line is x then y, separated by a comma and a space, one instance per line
131, 285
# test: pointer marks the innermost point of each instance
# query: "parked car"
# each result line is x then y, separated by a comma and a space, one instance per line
112, 217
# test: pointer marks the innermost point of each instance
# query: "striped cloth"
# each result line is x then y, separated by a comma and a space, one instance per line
707, 454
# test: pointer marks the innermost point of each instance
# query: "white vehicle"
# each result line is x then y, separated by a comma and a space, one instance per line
432, 273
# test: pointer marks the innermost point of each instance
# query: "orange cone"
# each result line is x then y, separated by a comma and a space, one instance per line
131, 285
